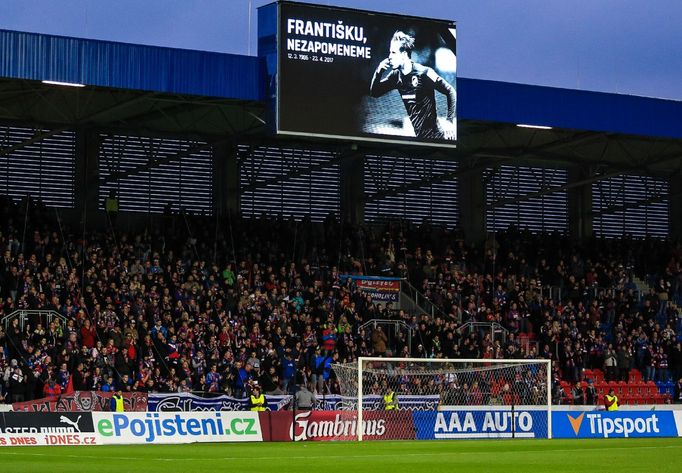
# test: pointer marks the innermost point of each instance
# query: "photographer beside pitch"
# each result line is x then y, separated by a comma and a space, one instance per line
611, 401
416, 84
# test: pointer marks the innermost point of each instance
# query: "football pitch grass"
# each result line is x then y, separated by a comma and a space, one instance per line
612, 455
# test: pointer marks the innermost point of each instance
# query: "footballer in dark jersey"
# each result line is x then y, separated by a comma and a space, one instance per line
416, 84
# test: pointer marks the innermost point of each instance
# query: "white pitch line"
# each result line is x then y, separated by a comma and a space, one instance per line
52, 455
309, 457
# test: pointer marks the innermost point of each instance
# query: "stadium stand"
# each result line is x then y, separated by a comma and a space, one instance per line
177, 308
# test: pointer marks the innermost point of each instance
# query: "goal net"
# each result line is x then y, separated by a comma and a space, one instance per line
407, 398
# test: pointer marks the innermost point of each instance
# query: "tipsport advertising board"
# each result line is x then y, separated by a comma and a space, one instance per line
618, 424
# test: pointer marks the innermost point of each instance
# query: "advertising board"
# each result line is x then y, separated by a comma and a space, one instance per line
34, 429
176, 427
476, 424
618, 424
336, 425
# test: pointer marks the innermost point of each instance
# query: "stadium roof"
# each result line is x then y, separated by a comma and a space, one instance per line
213, 94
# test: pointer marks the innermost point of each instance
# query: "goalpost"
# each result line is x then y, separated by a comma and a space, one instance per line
423, 398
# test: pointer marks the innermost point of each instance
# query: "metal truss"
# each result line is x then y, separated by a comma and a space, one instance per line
296, 164
583, 182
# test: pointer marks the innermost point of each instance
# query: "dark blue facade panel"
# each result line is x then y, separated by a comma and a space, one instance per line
109, 64
128, 66
564, 108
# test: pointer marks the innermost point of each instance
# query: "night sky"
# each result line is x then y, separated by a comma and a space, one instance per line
621, 46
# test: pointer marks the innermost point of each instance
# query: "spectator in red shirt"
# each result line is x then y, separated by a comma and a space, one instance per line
329, 338
51, 389
88, 334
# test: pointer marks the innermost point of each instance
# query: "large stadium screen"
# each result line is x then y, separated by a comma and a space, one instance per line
363, 75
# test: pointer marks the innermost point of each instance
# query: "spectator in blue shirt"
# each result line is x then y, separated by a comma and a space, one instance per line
323, 366
244, 376
108, 385
288, 371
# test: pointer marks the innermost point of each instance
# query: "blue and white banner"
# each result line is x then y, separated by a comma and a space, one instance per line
374, 402
477, 424
618, 424
187, 402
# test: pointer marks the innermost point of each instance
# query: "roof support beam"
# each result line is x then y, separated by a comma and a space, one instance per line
300, 172
493, 156
34, 139
582, 182
157, 162
649, 200
55, 131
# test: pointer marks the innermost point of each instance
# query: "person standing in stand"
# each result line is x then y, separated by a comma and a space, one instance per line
578, 394
590, 394
677, 398
51, 389
305, 399
17, 385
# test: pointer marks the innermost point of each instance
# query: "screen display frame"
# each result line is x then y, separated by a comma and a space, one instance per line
376, 138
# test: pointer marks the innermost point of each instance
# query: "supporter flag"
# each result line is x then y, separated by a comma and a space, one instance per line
69, 386
380, 289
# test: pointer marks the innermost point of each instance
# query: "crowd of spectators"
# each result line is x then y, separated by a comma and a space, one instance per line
196, 304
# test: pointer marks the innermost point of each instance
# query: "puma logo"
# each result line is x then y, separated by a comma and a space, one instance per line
74, 424
576, 422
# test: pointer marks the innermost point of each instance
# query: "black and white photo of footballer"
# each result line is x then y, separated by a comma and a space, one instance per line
416, 85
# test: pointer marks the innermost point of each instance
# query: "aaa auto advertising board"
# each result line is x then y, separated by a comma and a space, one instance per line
476, 424
336, 425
